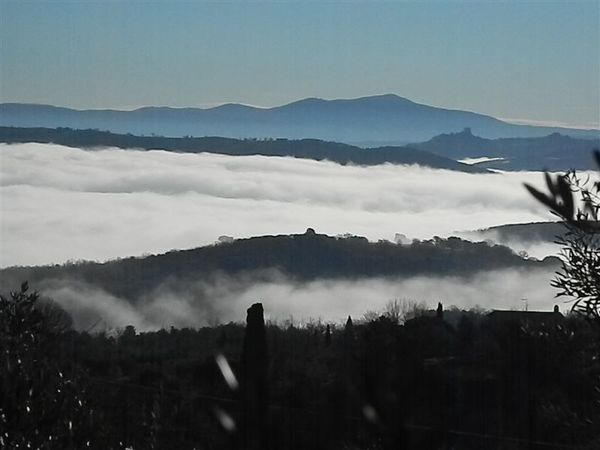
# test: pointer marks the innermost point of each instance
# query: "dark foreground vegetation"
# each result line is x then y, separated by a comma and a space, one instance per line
402, 379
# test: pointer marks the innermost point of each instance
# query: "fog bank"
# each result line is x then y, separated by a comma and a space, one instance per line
224, 299
60, 203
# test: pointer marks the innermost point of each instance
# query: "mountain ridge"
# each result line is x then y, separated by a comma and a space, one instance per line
554, 152
304, 148
380, 118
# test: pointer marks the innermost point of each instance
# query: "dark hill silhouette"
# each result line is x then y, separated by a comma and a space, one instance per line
305, 148
555, 152
532, 232
307, 256
377, 119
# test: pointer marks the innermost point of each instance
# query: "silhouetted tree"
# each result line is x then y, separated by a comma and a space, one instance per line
576, 201
255, 383
579, 275
439, 313
42, 404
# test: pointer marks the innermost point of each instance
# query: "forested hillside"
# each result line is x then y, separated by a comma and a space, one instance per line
302, 256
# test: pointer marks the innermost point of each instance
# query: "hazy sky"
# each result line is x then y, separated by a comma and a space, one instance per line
537, 61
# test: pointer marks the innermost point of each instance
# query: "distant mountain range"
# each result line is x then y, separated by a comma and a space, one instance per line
305, 148
374, 120
307, 256
555, 152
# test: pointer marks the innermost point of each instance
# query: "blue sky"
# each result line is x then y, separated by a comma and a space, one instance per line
537, 61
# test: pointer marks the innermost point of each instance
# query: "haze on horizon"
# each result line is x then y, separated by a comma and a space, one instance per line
503, 59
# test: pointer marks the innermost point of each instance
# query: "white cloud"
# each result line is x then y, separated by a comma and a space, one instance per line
223, 298
60, 203
91, 307
482, 159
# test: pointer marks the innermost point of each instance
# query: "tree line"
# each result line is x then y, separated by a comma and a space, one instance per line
424, 380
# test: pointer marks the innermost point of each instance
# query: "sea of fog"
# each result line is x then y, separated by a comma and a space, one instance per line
62, 204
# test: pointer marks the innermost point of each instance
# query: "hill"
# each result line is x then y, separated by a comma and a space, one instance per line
555, 152
305, 148
305, 256
526, 232
377, 119
538, 239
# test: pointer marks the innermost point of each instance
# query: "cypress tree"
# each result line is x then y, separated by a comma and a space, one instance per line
328, 336
255, 384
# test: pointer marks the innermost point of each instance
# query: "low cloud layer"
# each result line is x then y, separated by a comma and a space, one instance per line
62, 204
226, 298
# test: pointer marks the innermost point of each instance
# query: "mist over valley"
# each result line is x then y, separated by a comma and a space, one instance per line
300, 225
136, 203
